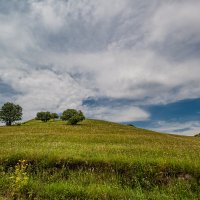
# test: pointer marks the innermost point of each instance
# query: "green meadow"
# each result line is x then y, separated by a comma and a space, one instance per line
96, 160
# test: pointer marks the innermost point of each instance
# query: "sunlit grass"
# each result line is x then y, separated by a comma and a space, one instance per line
102, 158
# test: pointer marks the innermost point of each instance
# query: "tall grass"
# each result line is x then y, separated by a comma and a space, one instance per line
98, 160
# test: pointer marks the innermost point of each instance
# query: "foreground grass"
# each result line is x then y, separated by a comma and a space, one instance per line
98, 160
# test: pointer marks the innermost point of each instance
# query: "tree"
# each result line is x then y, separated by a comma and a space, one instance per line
10, 113
43, 116
72, 116
67, 114
54, 116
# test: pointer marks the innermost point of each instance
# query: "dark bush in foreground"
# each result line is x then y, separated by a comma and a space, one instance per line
72, 116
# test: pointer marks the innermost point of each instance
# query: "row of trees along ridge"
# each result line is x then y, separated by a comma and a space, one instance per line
9, 113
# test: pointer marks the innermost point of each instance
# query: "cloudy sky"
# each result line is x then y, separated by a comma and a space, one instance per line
120, 60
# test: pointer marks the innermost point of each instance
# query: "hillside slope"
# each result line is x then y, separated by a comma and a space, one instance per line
96, 158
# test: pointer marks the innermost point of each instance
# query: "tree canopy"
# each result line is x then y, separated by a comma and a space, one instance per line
54, 116
10, 113
43, 116
72, 116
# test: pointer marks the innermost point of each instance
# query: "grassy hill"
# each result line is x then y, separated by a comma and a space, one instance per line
96, 160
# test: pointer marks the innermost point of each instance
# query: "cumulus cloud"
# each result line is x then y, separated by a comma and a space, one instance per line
117, 114
190, 128
177, 20
55, 54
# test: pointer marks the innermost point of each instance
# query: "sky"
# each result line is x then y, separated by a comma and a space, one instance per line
127, 61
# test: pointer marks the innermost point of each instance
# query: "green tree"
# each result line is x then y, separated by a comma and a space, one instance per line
43, 116
72, 116
54, 116
10, 113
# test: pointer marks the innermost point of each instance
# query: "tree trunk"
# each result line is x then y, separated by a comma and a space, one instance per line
8, 123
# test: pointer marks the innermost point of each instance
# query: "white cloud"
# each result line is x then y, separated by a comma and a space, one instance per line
177, 20
134, 75
44, 90
117, 114
51, 13
57, 53
189, 128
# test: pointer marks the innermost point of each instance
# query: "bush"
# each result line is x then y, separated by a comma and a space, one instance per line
74, 120
43, 116
67, 114
72, 116
54, 116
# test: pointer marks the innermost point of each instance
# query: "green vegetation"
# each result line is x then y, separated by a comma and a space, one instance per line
46, 116
10, 113
96, 160
43, 116
54, 116
72, 116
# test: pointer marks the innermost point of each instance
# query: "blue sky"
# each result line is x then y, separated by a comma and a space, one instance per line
127, 61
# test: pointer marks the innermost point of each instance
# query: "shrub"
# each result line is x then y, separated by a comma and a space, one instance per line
43, 116
67, 114
19, 179
72, 116
54, 116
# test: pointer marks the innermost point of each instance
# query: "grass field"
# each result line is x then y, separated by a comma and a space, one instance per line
96, 160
